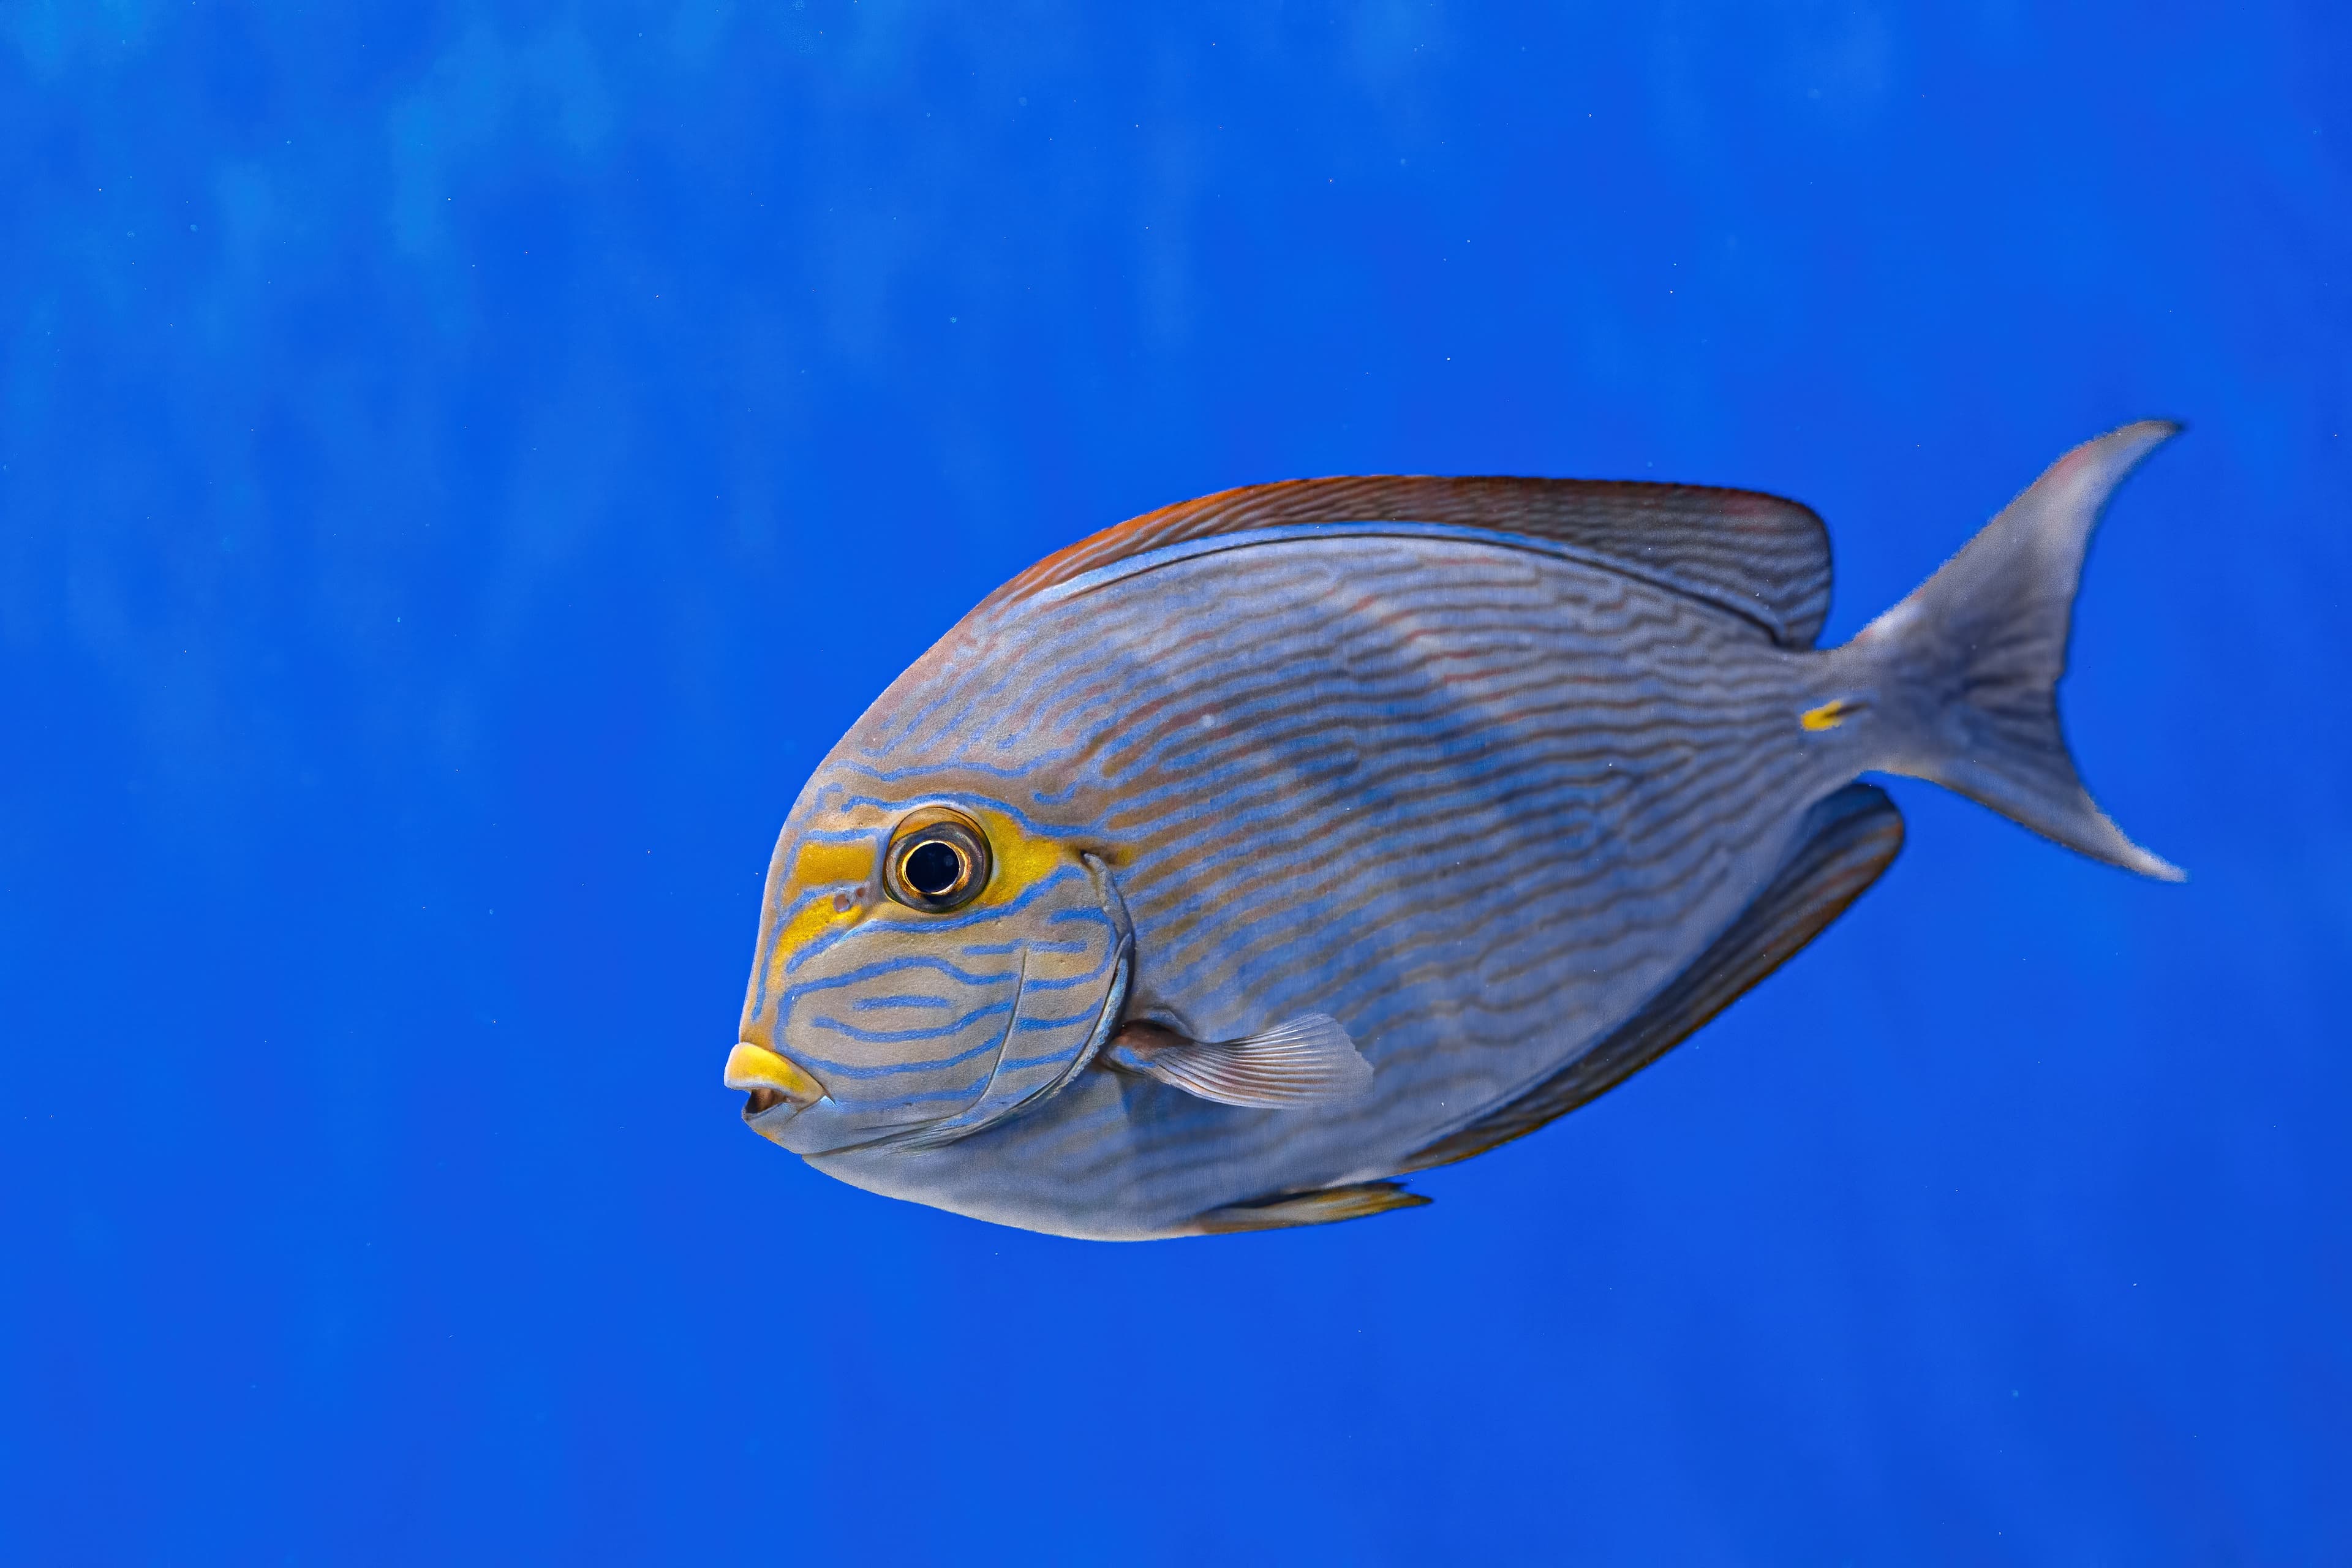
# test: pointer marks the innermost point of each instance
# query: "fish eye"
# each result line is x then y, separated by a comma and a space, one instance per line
937, 861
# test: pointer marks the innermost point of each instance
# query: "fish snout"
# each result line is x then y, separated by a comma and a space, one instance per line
777, 1088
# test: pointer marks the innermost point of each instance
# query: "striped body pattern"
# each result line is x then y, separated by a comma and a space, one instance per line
1476, 768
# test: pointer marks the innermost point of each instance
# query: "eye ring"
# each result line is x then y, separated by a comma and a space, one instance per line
937, 861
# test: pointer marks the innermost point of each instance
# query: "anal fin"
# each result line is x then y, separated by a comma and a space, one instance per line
1322, 1206
1848, 838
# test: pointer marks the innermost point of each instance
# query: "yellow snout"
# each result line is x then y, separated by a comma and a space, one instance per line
768, 1079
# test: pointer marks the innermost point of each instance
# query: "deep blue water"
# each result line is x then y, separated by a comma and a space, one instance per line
462, 465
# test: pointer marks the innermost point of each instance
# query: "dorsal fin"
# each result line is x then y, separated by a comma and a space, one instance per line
1758, 555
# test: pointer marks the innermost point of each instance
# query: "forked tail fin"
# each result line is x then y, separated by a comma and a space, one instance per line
1962, 677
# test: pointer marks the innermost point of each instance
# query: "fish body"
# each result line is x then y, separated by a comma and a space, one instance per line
1318, 833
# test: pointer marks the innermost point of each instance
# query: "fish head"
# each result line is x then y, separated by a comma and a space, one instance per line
930, 962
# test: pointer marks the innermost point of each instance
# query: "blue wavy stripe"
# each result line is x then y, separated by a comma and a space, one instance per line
829, 1070
904, 1037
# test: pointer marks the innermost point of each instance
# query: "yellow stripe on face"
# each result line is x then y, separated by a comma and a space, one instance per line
1019, 861
817, 864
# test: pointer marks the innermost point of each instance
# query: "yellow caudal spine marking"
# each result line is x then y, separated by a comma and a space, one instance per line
1828, 716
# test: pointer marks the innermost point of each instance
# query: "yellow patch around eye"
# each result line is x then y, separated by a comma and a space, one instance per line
1828, 716
1022, 858
1020, 861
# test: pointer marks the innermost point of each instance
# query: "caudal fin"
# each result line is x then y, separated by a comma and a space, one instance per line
1966, 670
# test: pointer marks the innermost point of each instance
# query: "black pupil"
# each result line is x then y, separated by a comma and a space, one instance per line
934, 869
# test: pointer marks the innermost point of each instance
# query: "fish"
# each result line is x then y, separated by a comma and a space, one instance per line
1234, 864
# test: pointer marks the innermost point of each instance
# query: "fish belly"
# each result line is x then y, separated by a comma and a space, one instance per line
1476, 802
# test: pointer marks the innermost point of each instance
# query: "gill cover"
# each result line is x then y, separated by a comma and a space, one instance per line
925, 1026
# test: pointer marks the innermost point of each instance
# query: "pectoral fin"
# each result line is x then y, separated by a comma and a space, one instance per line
1308, 1061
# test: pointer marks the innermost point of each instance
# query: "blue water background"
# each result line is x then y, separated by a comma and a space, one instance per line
462, 465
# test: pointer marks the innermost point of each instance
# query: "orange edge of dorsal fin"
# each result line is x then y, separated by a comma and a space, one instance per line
1757, 555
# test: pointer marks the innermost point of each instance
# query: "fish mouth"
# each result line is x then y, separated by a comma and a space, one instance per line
769, 1081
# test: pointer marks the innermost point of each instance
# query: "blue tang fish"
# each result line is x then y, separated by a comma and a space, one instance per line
1222, 869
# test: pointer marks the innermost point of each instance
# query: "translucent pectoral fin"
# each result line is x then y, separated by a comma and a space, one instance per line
1308, 1061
